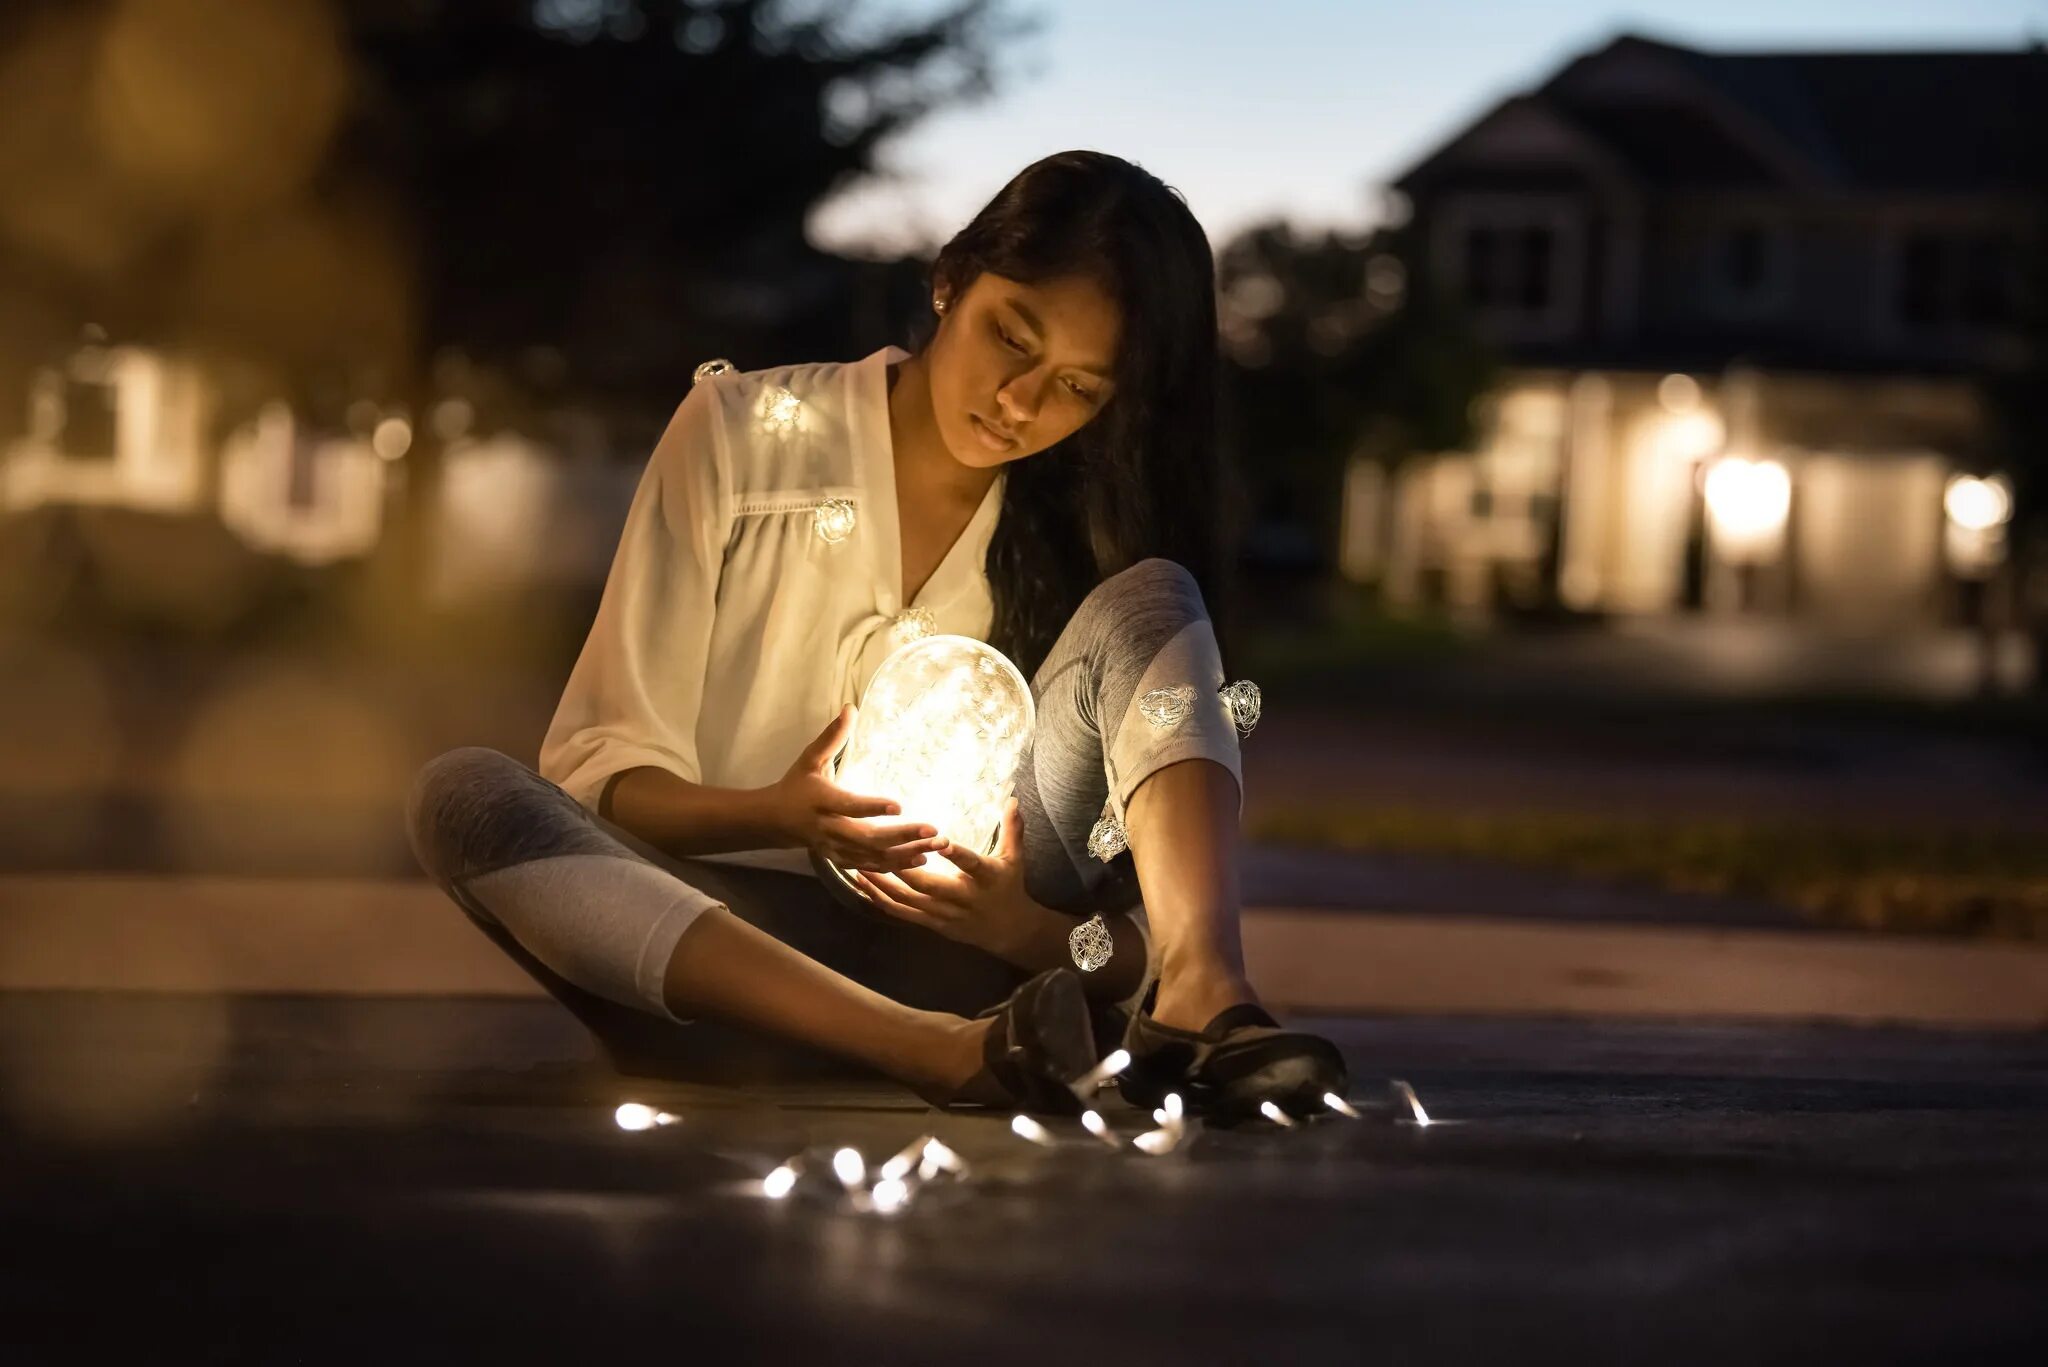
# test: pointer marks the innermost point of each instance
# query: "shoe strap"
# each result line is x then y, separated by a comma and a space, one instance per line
1237, 1018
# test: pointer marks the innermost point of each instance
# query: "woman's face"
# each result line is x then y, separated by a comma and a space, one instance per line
1031, 362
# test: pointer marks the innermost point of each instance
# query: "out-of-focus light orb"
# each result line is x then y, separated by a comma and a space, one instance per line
392, 439
634, 1116
453, 418
942, 725
1976, 504
1749, 499
1692, 435
850, 1167
779, 1183
1678, 393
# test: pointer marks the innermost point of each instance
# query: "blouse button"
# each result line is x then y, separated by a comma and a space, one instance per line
913, 624
833, 520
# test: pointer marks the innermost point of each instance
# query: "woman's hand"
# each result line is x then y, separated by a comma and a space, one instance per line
811, 810
983, 905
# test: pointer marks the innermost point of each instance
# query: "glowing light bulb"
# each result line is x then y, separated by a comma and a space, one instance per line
1024, 1127
1407, 1093
1174, 1108
1340, 1105
1093, 1122
891, 1193
779, 1183
849, 1167
1115, 1062
941, 727
1276, 1115
1977, 505
937, 1159
1156, 1142
634, 1116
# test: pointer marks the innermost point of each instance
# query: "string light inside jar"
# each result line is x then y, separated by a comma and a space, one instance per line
942, 726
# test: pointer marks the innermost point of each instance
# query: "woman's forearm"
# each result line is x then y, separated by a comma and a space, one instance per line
1046, 947
683, 818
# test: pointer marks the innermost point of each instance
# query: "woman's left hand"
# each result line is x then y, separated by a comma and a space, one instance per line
984, 904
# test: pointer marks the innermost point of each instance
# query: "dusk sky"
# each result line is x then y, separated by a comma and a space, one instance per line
1306, 108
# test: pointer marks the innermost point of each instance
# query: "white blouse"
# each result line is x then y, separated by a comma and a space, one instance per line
757, 586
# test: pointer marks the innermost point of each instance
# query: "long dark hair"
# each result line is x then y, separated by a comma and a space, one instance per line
1145, 477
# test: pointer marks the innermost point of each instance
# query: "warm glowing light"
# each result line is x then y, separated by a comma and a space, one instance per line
1407, 1094
849, 1167
779, 1183
392, 439
891, 1193
1093, 1122
901, 1164
1976, 504
937, 1159
1115, 1062
1340, 1105
1026, 1128
1678, 393
634, 1116
940, 729
1156, 1142
1275, 1114
1174, 1109
1748, 501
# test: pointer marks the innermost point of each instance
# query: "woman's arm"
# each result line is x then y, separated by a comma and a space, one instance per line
679, 817
1043, 945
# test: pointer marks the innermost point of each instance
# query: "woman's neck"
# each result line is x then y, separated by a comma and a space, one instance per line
922, 461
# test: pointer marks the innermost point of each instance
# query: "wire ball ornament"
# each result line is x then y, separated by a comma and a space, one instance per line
942, 727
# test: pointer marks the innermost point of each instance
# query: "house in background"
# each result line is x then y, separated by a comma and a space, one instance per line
135, 428
1741, 298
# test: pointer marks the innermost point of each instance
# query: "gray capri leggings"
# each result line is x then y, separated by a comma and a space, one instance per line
593, 913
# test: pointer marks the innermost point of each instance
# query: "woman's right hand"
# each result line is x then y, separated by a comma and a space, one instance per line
814, 811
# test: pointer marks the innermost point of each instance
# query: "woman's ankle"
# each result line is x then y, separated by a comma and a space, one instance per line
1189, 1000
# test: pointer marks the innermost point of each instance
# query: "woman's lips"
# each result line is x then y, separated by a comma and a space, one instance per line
989, 436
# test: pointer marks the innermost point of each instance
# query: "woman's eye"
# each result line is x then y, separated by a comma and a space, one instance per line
1084, 395
1009, 340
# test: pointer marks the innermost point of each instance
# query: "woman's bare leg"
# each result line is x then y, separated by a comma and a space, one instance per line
1181, 824
726, 968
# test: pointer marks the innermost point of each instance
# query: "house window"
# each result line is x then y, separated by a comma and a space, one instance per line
1510, 268
88, 420
1956, 281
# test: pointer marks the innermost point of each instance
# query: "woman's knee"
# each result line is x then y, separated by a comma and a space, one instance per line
473, 809
1152, 584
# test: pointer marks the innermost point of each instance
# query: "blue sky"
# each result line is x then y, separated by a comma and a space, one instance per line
1305, 109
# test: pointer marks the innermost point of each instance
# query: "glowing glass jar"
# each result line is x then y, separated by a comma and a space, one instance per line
942, 726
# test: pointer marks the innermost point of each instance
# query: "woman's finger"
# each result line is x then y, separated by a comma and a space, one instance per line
966, 860
883, 901
896, 885
862, 804
876, 838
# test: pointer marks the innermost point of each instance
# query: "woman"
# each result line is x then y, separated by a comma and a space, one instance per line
1041, 474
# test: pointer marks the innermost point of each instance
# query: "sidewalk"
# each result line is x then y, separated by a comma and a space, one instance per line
399, 937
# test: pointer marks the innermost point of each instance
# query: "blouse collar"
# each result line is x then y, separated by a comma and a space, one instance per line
960, 571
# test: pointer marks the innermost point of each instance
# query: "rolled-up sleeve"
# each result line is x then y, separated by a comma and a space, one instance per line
634, 695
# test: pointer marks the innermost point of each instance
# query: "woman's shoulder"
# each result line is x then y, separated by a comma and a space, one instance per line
783, 426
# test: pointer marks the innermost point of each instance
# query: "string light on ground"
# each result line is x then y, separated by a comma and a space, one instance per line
1273, 1113
890, 1194
939, 1159
1340, 1105
1024, 1127
1091, 1081
901, 1164
782, 1181
1407, 1094
849, 1167
1160, 1141
635, 1116
1093, 1122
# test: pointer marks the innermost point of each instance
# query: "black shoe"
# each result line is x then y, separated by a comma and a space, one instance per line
1224, 1071
1042, 1041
